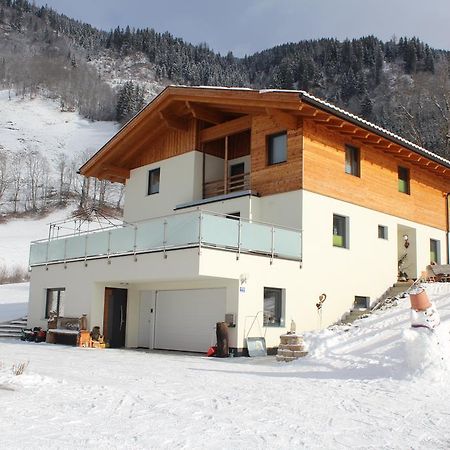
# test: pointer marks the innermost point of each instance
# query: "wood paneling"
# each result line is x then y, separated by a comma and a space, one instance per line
377, 188
238, 146
171, 142
273, 179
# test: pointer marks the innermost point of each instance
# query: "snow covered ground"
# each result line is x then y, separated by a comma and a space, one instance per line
357, 389
13, 301
16, 235
40, 125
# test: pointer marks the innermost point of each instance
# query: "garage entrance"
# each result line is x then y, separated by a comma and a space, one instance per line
183, 320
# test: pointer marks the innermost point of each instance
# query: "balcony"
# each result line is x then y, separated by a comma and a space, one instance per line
235, 183
178, 231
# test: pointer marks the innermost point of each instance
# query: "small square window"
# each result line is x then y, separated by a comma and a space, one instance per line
361, 302
273, 307
340, 231
55, 302
403, 180
435, 251
153, 181
277, 148
382, 232
352, 161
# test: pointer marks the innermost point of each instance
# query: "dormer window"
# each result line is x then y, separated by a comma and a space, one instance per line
153, 181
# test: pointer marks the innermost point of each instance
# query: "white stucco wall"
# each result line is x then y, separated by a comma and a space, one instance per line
180, 182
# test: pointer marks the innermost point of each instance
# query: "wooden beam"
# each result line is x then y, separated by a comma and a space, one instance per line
205, 114
282, 119
226, 129
225, 167
173, 122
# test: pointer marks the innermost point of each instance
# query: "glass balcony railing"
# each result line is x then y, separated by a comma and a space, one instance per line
192, 229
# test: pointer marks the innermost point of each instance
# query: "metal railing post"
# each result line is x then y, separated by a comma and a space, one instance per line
200, 237
165, 239
135, 243
239, 239
46, 255
65, 253
273, 246
109, 246
85, 249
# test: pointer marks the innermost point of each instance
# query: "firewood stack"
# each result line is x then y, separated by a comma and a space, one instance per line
291, 347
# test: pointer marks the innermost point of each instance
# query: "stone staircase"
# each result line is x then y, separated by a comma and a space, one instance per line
13, 328
385, 299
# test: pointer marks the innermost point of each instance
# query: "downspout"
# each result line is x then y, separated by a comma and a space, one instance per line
447, 195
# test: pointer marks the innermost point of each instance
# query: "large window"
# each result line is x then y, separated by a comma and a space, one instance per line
435, 251
403, 180
55, 303
153, 181
273, 307
352, 161
277, 148
340, 231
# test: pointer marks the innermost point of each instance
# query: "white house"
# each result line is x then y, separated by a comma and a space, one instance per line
244, 205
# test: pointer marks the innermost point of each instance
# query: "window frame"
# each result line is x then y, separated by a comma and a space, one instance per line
50, 291
279, 307
437, 260
385, 232
401, 172
269, 145
353, 160
149, 180
346, 235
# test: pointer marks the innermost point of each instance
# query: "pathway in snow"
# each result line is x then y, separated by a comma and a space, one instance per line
355, 390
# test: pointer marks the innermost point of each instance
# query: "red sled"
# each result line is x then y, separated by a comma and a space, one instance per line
211, 351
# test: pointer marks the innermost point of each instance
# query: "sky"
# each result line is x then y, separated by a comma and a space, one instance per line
247, 26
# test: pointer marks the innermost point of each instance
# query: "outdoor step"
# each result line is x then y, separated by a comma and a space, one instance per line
18, 322
12, 325
9, 335
10, 330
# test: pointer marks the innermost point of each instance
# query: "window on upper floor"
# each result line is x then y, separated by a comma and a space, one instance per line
340, 231
352, 161
435, 251
382, 232
277, 148
55, 303
273, 307
403, 180
153, 181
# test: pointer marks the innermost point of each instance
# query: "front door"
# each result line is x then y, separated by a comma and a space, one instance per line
115, 317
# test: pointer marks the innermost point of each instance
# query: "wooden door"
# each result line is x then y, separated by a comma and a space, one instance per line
115, 317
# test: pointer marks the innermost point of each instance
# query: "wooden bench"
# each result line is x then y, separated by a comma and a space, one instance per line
67, 330
438, 272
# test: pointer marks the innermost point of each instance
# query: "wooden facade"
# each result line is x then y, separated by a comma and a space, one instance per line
377, 186
181, 120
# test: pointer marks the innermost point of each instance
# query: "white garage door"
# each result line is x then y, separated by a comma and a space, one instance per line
186, 319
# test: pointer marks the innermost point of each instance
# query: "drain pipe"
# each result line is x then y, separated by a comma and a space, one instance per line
447, 195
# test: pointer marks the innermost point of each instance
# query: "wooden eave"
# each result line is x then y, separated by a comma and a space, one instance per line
227, 111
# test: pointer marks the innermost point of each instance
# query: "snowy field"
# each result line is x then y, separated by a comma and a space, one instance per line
13, 301
359, 388
16, 235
